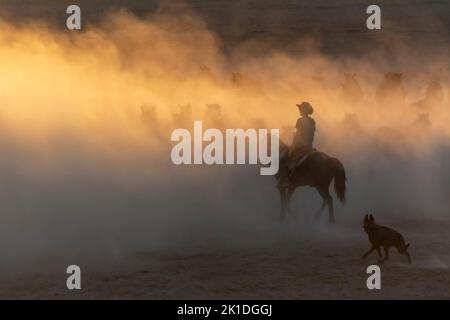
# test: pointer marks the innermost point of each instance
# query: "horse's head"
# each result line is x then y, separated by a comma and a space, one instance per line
237, 78
434, 90
349, 76
393, 76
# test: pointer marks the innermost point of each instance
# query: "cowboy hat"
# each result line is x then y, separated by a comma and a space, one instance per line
306, 108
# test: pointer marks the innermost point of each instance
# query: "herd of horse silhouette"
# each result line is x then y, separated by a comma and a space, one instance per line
319, 170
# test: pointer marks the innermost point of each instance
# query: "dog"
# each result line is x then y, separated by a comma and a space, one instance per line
380, 236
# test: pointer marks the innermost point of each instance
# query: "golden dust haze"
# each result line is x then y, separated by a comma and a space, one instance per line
86, 118
122, 83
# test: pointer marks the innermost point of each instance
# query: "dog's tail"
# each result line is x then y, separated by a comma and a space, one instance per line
405, 247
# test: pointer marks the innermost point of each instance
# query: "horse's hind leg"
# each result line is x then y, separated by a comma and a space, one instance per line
331, 209
327, 202
319, 212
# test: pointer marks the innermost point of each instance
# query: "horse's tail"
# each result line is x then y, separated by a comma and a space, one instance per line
339, 179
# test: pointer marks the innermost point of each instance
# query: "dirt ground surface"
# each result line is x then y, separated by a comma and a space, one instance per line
289, 267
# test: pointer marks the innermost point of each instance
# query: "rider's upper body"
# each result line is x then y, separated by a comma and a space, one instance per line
306, 127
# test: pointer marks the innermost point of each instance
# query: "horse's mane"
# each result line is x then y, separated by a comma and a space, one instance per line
283, 146
283, 150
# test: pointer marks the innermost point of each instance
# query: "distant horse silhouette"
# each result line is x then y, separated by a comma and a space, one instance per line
351, 89
391, 90
245, 82
317, 171
434, 96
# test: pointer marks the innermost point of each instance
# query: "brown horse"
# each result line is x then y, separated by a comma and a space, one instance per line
317, 171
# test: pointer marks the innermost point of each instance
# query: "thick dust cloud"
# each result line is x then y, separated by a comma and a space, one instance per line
86, 118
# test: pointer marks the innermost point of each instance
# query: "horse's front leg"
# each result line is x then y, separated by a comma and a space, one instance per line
282, 191
290, 192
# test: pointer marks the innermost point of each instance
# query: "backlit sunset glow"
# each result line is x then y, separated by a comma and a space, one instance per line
122, 84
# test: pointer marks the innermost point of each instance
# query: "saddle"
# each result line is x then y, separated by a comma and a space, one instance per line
298, 155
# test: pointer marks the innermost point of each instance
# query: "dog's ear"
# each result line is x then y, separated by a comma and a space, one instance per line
371, 218
366, 217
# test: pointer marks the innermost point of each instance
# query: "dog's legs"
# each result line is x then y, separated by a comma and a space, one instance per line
368, 252
379, 252
409, 257
404, 252
386, 255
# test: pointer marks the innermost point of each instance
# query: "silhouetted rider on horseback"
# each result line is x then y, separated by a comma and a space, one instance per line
302, 144
306, 128
302, 165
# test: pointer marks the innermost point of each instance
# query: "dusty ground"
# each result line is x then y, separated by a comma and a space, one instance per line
287, 267
287, 264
